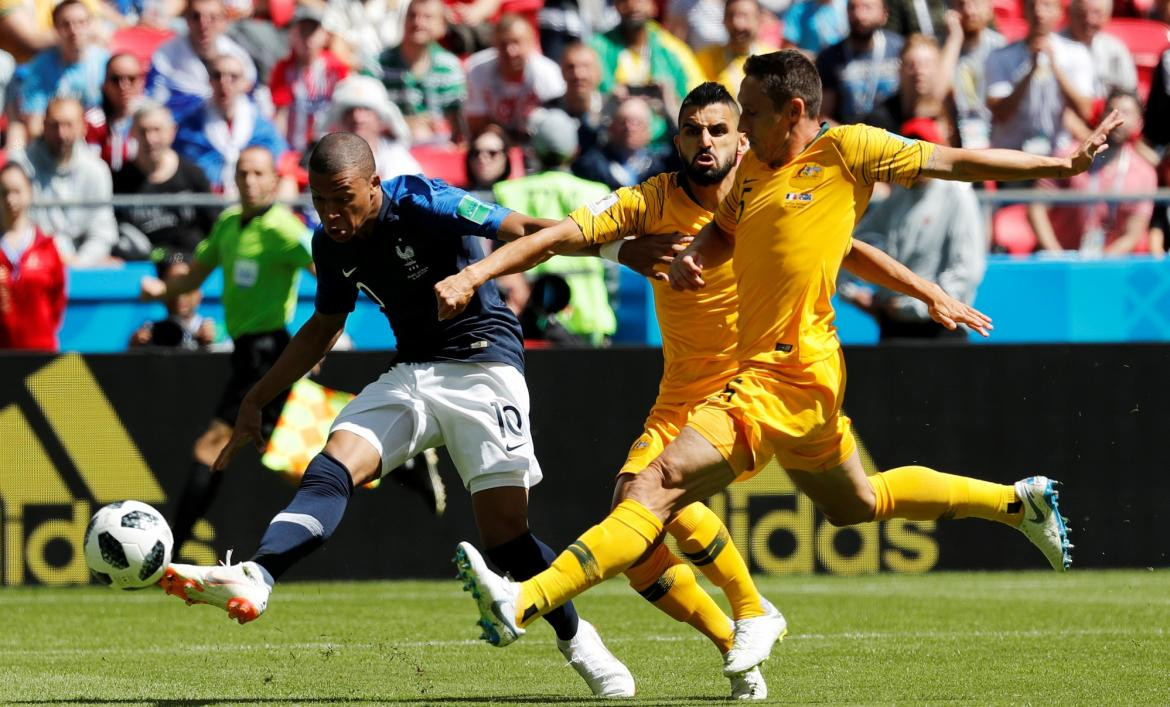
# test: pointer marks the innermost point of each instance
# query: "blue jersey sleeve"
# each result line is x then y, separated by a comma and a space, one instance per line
336, 294
432, 204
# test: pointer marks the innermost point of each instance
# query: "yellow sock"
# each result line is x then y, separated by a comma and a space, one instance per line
604, 550
919, 493
663, 580
705, 541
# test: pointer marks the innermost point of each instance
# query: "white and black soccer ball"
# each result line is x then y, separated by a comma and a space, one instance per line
128, 545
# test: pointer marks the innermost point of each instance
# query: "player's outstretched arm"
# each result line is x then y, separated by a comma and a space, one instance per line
1013, 165
711, 247
454, 292
874, 265
314, 339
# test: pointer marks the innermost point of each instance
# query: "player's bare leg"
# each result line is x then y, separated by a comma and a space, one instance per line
847, 496
243, 589
501, 515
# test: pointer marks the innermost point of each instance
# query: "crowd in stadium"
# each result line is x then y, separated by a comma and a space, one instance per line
149, 97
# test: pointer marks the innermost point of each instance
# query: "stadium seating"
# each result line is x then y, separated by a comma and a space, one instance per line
1012, 232
1146, 40
449, 163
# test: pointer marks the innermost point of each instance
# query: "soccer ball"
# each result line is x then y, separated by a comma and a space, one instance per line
127, 545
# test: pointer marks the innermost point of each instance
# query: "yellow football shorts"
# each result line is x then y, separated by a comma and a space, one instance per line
793, 412
666, 420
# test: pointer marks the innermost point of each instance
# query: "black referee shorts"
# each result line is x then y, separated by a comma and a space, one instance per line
252, 357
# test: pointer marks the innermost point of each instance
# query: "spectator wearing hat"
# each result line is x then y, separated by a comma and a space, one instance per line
108, 126
183, 328
628, 156
724, 62
32, 276
936, 229
506, 83
214, 135
303, 82
361, 106
73, 68
180, 77
551, 194
158, 169
426, 80
1109, 228
922, 90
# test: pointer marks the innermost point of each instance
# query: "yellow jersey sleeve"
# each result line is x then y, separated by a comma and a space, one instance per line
629, 211
876, 155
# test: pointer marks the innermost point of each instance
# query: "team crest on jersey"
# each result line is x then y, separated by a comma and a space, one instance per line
596, 208
406, 253
810, 171
473, 209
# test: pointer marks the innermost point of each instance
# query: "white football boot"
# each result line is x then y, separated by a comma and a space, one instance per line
754, 639
242, 589
1042, 523
749, 685
605, 674
495, 595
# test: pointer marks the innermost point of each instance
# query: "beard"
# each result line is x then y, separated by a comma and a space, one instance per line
706, 176
629, 25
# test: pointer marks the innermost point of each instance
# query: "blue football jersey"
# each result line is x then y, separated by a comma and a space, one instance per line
426, 230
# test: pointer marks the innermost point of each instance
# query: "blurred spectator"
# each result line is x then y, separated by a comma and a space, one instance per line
108, 126
424, 79
1101, 227
582, 100
20, 34
506, 83
487, 162
184, 328
303, 82
742, 19
213, 135
7, 73
815, 25
265, 42
361, 106
62, 167
860, 71
552, 194
158, 169
699, 23
566, 22
179, 76
1114, 65
907, 17
362, 29
1032, 81
936, 229
1160, 221
470, 24
1157, 122
921, 91
627, 157
969, 42
32, 276
73, 68
644, 58
154, 26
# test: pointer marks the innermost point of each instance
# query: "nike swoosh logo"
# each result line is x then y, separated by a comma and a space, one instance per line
349, 272
1035, 509
514, 447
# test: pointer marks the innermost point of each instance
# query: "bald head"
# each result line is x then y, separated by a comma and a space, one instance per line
340, 153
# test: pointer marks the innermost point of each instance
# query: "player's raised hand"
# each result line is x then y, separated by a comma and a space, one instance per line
247, 429
151, 288
1095, 144
950, 312
651, 256
453, 293
686, 271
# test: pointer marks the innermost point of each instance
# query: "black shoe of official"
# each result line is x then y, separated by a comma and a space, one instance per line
420, 474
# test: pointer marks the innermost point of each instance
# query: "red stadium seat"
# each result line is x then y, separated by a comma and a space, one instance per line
1012, 28
1146, 40
1011, 230
1007, 9
449, 163
139, 41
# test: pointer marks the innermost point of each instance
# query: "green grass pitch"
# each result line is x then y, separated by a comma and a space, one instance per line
1093, 638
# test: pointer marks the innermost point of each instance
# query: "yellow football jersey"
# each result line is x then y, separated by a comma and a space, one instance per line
698, 328
792, 227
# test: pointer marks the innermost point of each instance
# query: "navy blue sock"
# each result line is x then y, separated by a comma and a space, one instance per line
310, 519
525, 557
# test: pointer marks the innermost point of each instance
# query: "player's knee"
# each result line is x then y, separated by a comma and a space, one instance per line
211, 443
649, 488
852, 512
358, 457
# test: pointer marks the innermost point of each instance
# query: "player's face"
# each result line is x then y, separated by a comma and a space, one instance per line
708, 142
766, 128
344, 202
256, 178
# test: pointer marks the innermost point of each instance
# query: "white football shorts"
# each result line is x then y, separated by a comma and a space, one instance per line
478, 410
